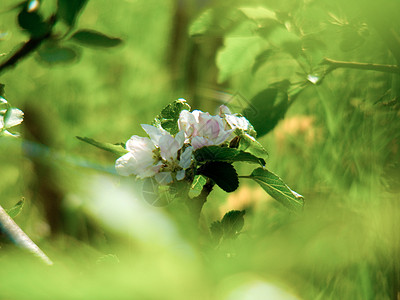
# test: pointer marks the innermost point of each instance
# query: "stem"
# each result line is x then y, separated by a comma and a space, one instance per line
15, 233
334, 64
195, 205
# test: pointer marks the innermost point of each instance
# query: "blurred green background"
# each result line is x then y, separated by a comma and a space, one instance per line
338, 146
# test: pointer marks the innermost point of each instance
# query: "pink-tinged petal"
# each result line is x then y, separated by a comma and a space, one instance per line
163, 178
224, 136
186, 158
200, 141
137, 143
154, 133
168, 147
186, 122
223, 109
180, 174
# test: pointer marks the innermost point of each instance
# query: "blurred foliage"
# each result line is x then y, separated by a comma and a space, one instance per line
335, 139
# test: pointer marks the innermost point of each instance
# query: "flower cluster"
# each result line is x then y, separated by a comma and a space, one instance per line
167, 157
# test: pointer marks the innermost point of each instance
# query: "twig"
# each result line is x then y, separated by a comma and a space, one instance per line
28, 47
334, 64
15, 233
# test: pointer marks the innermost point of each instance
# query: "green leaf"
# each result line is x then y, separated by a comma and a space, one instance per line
54, 54
168, 118
68, 10
223, 173
197, 186
93, 38
215, 21
238, 54
232, 223
16, 209
116, 149
249, 144
277, 189
218, 153
266, 109
261, 59
258, 13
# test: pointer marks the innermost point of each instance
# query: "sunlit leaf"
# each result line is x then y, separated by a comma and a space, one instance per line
197, 186
261, 59
95, 39
217, 153
277, 189
116, 149
250, 144
259, 12
68, 10
238, 54
168, 118
16, 209
223, 173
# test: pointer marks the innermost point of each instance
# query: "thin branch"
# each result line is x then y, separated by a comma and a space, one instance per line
334, 64
15, 233
28, 47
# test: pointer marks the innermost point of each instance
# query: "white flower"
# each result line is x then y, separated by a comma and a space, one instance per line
155, 156
9, 118
139, 160
201, 129
234, 121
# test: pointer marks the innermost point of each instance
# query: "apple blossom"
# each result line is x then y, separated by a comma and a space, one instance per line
202, 129
155, 156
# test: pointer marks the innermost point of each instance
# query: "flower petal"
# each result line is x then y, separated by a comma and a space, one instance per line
13, 117
138, 143
180, 174
186, 158
154, 133
168, 147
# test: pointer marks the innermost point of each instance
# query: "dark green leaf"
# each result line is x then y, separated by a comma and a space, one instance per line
68, 10
217, 153
116, 149
95, 39
277, 189
223, 173
266, 109
168, 118
55, 54
33, 23
232, 223
16, 209
197, 186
